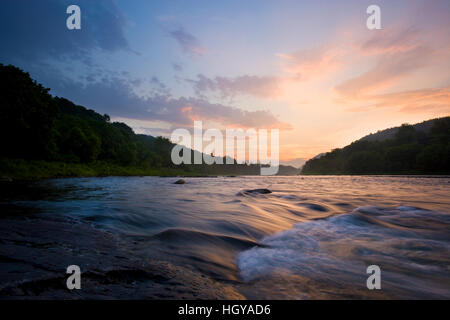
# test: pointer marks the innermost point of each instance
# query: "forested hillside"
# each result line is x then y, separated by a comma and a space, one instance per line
402, 150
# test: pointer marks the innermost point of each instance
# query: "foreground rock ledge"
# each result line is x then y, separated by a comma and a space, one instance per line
34, 255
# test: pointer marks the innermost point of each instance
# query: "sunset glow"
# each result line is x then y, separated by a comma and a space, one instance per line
313, 71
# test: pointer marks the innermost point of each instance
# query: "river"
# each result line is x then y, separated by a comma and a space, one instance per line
312, 237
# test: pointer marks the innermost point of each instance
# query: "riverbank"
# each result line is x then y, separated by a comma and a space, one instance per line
19, 169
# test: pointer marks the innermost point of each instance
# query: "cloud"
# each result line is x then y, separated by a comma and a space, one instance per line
115, 96
390, 41
228, 87
188, 43
177, 67
389, 68
310, 63
298, 66
199, 109
432, 99
399, 54
33, 31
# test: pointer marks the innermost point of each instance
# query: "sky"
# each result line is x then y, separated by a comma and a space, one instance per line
311, 69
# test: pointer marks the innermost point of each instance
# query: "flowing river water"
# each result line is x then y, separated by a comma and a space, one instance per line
312, 237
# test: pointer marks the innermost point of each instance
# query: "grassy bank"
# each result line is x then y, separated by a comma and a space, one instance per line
19, 169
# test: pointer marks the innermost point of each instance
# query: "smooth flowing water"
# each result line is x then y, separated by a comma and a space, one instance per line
312, 237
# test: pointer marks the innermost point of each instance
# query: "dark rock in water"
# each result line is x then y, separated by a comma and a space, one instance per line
260, 191
5, 179
181, 181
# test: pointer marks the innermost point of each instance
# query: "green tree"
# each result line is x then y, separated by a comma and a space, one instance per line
27, 116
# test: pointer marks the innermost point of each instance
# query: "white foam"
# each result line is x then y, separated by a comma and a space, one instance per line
340, 245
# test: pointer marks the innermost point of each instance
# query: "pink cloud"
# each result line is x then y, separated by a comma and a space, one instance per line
389, 69
310, 63
390, 41
399, 54
230, 116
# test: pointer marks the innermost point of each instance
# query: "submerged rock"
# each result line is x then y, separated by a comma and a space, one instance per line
260, 191
180, 181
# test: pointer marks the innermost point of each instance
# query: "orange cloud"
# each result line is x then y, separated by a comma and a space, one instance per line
310, 63
390, 41
416, 100
390, 68
400, 54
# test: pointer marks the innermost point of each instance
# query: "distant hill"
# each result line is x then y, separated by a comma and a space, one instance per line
423, 148
296, 163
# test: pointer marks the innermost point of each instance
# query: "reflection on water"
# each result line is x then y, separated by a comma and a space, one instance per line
312, 237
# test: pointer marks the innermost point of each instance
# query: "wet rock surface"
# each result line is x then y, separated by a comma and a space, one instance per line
256, 191
35, 253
